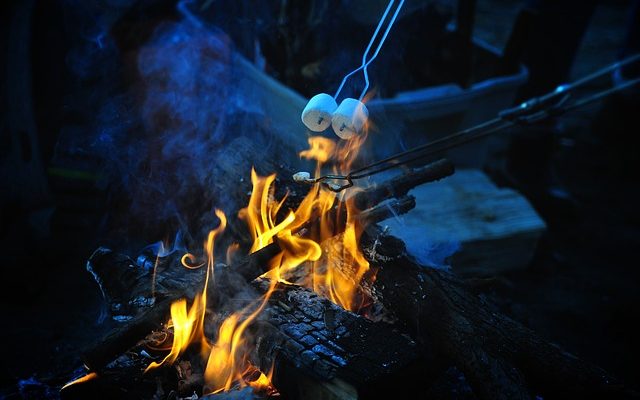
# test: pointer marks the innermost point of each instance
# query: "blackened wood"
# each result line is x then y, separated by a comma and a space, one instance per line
305, 331
184, 284
402, 184
122, 282
499, 357
120, 340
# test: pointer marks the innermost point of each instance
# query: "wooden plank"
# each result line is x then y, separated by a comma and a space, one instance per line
494, 229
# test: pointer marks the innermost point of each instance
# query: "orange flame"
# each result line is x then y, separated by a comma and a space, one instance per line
231, 252
261, 212
260, 216
188, 326
320, 148
227, 361
338, 275
186, 330
82, 379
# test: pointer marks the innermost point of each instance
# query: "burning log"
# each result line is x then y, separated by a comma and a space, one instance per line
119, 279
300, 332
171, 285
376, 203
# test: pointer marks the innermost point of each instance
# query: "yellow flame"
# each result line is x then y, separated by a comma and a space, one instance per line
188, 261
320, 149
345, 268
262, 382
260, 214
185, 329
82, 379
188, 325
228, 362
227, 359
338, 275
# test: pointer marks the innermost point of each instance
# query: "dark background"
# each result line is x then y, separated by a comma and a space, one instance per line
64, 191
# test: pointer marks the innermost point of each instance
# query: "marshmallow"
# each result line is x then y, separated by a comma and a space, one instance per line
302, 177
349, 119
317, 113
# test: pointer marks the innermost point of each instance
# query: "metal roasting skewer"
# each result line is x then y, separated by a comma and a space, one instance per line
554, 103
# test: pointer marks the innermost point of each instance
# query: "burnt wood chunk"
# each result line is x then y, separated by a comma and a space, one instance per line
124, 285
314, 334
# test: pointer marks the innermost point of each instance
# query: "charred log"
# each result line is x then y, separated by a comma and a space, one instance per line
501, 358
172, 283
131, 290
305, 332
299, 333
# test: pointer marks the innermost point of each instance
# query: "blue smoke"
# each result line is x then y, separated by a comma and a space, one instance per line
156, 114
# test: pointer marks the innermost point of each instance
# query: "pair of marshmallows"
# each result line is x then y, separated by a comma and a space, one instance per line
347, 120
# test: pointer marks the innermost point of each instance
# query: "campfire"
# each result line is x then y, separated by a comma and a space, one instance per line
313, 251
324, 301
302, 260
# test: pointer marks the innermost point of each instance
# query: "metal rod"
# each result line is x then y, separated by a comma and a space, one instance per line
536, 109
